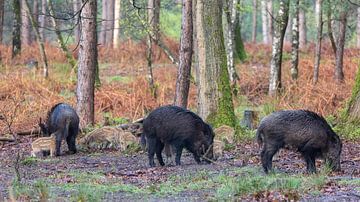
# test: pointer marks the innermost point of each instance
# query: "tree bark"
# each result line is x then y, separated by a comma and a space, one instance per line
318, 21
154, 18
214, 93
295, 42
339, 74
329, 25
35, 17
102, 35
110, 22
302, 29
16, 32
1, 20
264, 16
42, 20
278, 40
254, 22
25, 26
117, 24
150, 76
76, 7
270, 24
39, 40
87, 63
186, 47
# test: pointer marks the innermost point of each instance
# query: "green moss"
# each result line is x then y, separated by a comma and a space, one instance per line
239, 44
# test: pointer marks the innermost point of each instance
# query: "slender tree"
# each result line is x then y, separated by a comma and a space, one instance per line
270, 24
278, 40
16, 32
117, 23
42, 20
302, 28
329, 26
265, 27
87, 63
76, 7
35, 13
254, 22
318, 21
102, 35
358, 27
295, 41
214, 93
110, 22
339, 74
1, 20
186, 46
25, 26
154, 17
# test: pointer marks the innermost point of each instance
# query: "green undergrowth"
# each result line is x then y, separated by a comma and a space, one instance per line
226, 184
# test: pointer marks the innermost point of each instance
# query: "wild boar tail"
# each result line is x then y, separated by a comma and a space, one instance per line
259, 137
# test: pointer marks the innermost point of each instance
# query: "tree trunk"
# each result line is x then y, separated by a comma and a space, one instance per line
35, 17
339, 74
117, 24
1, 20
278, 40
270, 24
77, 7
295, 42
358, 27
254, 22
186, 47
25, 26
264, 22
42, 20
87, 64
60, 40
214, 93
150, 76
110, 22
102, 35
40, 41
154, 17
329, 23
302, 28
318, 21
16, 32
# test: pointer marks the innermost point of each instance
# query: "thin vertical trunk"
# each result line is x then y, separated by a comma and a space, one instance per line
358, 27
239, 44
318, 21
295, 42
270, 24
339, 74
278, 40
254, 23
186, 46
60, 40
329, 25
35, 17
214, 93
42, 20
117, 24
16, 32
1, 20
264, 22
76, 7
110, 23
154, 17
302, 28
25, 28
102, 35
39, 40
87, 64
150, 76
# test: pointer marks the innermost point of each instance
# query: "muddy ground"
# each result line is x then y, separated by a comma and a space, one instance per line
139, 182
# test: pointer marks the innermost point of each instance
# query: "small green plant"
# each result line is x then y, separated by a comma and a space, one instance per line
28, 161
119, 79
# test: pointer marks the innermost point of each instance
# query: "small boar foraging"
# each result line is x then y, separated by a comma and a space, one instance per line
43, 144
303, 130
179, 128
63, 121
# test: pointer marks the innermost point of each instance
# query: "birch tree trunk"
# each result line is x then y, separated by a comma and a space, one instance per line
102, 35
154, 17
278, 40
254, 22
358, 27
87, 64
1, 20
295, 42
339, 74
318, 21
302, 29
39, 40
77, 7
270, 24
214, 93
16, 31
42, 20
117, 24
110, 23
25, 26
264, 15
186, 47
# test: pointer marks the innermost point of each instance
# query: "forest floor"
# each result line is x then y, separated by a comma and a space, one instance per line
111, 176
